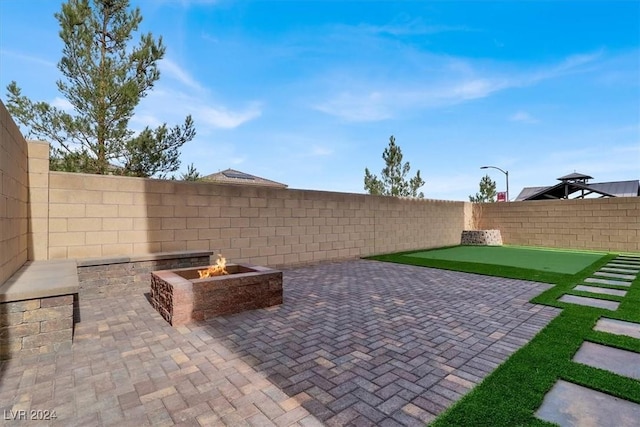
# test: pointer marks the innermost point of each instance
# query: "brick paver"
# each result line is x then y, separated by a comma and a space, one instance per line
355, 343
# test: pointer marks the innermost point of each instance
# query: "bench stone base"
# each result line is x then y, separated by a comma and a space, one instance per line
37, 308
36, 326
481, 237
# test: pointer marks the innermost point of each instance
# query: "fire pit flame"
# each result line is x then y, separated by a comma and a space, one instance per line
215, 270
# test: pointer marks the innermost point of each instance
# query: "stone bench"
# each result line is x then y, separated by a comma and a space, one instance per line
37, 308
37, 302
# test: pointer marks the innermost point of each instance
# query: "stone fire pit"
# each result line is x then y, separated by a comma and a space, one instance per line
181, 297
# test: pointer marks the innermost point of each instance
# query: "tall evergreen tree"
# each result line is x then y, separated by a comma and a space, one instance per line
105, 77
487, 192
393, 181
191, 175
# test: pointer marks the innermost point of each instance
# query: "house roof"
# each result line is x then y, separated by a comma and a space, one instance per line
565, 188
574, 176
232, 176
528, 192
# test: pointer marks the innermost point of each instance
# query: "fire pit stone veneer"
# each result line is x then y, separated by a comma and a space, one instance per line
181, 297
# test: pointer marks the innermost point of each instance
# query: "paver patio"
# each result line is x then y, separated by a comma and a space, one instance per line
355, 343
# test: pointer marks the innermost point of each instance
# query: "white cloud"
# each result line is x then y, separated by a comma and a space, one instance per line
221, 117
446, 186
452, 81
356, 107
141, 120
473, 89
165, 104
28, 58
403, 27
176, 72
571, 64
377, 105
523, 117
321, 151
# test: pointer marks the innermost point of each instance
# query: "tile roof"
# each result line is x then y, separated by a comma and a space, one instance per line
232, 176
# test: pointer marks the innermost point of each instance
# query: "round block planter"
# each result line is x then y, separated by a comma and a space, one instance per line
481, 237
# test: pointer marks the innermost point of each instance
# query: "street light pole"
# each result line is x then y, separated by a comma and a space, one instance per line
504, 172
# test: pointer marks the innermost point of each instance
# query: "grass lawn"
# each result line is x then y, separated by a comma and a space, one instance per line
553, 260
511, 394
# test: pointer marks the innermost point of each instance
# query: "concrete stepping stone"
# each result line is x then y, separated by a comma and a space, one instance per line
625, 266
591, 302
618, 327
621, 362
631, 264
606, 281
615, 275
571, 405
623, 262
627, 261
598, 290
620, 270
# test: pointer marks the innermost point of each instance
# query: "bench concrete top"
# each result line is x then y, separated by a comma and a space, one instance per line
41, 279
88, 262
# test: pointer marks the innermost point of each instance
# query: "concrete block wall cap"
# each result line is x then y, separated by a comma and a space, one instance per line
41, 279
258, 268
88, 262
171, 277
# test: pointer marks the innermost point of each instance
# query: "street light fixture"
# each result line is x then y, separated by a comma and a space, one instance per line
504, 172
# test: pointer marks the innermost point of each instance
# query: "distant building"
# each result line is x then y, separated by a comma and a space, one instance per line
576, 186
232, 176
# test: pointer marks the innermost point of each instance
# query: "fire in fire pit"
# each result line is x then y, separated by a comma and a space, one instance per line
215, 270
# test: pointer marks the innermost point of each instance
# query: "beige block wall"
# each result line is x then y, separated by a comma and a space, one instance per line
14, 184
92, 215
611, 224
38, 207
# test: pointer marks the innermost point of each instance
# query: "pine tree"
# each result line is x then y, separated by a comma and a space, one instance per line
487, 192
393, 181
191, 175
105, 77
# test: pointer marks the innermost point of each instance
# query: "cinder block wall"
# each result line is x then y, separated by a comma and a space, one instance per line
38, 207
611, 224
14, 193
92, 215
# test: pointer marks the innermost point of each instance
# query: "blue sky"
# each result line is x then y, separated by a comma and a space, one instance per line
308, 93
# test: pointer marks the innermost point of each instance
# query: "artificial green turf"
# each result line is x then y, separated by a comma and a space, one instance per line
515, 390
473, 267
551, 260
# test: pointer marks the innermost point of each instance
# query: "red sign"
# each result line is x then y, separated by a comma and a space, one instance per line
502, 196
